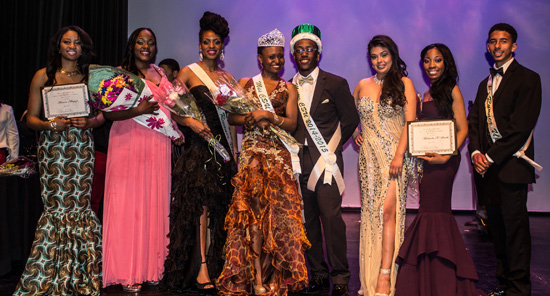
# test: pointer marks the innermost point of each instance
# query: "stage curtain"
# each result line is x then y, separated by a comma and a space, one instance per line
29, 25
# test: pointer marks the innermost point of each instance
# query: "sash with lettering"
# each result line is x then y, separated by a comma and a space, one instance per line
327, 162
212, 87
266, 105
494, 132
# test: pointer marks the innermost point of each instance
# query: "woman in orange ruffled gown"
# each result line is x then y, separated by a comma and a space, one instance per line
265, 234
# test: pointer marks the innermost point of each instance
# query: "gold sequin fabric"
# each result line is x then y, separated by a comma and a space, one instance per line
381, 126
266, 196
65, 258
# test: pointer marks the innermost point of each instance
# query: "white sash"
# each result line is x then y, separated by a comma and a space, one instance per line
494, 132
327, 162
221, 113
266, 105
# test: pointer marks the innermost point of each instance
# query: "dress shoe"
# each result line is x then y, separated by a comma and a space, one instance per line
131, 288
340, 290
316, 285
497, 292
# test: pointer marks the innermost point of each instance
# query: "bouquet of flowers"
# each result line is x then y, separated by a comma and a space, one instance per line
114, 89
21, 166
179, 100
231, 97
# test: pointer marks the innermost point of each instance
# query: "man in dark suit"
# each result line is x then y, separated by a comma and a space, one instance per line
502, 119
328, 119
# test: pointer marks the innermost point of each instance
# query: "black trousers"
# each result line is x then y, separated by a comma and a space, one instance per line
323, 214
509, 225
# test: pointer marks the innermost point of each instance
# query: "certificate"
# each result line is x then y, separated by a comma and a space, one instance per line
436, 136
69, 100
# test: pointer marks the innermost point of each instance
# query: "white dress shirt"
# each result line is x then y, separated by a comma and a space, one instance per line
496, 83
9, 136
306, 90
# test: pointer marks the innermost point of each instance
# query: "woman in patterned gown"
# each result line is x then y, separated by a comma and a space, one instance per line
433, 259
137, 180
65, 258
201, 189
266, 238
386, 101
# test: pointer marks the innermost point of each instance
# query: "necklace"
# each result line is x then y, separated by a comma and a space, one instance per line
69, 74
378, 81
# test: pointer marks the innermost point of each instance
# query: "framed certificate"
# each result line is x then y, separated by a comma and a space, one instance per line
69, 100
437, 136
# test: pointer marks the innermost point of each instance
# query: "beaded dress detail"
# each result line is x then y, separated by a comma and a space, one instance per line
381, 126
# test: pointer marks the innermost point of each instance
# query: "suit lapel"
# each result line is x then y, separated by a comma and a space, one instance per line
505, 80
319, 88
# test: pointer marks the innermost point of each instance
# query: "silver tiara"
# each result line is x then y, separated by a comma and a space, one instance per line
273, 38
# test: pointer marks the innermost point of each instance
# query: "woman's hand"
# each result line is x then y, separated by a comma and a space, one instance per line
358, 140
199, 128
60, 123
396, 166
81, 122
147, 107
435, 158
256, 116
179, 141
263, 124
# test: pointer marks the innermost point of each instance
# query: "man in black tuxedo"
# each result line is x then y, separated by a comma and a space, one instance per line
502, 119
326, 104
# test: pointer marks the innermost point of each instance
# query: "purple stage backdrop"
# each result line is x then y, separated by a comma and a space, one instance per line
346, 28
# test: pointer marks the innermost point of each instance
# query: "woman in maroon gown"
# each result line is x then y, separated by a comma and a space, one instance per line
433, 258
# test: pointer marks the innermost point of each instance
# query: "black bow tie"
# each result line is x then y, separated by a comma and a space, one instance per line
494, 71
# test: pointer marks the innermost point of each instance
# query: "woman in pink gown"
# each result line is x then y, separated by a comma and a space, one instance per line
137, 183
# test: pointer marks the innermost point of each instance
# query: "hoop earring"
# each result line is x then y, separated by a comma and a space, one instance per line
200, 56
222, 56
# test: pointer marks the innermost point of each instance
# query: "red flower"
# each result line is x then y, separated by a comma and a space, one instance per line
221, 99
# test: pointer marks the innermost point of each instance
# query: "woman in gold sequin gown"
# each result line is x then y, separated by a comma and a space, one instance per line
385, 102
265, 233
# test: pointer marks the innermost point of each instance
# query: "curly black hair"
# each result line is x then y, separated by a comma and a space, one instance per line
54, 56
214, 22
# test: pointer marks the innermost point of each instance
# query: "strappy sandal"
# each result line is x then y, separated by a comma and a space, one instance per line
259, 290
131, 288
383, 271
202, 287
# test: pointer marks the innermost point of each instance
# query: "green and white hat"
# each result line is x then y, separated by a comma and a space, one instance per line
306, 31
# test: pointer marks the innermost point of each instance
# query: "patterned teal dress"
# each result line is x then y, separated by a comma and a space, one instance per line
65, 258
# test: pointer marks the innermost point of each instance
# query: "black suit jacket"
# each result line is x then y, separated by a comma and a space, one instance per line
332, 103
517, 104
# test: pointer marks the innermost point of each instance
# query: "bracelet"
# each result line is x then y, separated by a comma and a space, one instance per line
278, 120
281, 123
53, 124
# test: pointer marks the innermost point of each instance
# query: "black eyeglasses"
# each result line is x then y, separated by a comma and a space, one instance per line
307, 49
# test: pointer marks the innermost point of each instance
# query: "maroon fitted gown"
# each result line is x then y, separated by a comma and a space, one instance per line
433, 259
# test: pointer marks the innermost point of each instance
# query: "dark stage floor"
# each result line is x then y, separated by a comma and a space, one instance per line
479, 245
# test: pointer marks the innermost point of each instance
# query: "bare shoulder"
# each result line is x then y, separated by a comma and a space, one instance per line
364, 83
290, 86
244, 80
40, 77
406, 80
